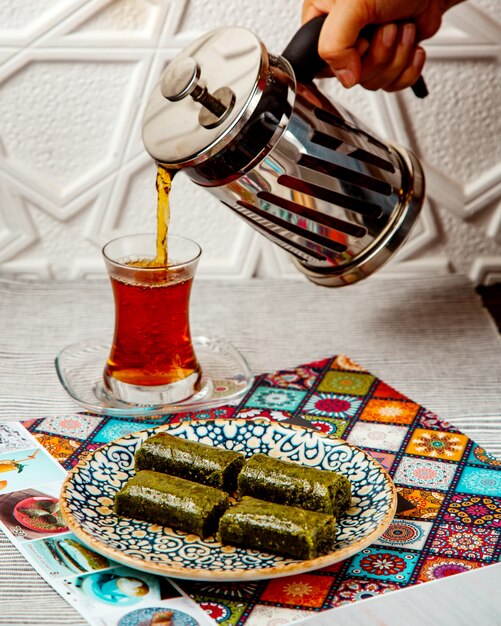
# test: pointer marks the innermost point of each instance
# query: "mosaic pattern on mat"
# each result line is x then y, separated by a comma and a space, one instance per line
451, 487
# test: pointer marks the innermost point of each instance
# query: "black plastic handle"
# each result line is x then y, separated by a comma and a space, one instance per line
302, 54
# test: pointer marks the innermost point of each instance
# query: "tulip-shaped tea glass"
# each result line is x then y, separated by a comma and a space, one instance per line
152, 359
153, 365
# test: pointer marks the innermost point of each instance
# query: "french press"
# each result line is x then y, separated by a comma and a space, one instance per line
256, 131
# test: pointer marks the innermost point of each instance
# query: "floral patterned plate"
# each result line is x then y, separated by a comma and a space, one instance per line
88, 492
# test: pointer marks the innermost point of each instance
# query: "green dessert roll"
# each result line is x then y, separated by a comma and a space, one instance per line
172, 501
271, 527
289, 483
190, 460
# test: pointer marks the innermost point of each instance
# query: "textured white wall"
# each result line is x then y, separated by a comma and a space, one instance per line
75, 76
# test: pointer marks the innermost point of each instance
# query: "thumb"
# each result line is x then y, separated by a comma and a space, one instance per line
337, 43
311, 10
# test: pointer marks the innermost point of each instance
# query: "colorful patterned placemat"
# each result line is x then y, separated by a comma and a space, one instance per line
449, 518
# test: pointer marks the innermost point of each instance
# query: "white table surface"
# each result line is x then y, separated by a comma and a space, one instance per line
429, 337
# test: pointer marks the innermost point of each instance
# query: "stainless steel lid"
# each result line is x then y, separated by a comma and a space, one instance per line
204, 97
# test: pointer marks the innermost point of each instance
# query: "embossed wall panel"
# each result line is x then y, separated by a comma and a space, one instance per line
74, 80
456, 130
54, 131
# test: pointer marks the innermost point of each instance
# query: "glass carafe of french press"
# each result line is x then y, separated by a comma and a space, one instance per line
256, 131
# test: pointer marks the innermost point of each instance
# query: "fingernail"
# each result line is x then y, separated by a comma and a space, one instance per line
389, 34
408, 35
419, 58
346, 77
362, 47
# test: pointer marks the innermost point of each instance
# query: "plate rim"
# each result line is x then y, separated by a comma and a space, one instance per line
237, 575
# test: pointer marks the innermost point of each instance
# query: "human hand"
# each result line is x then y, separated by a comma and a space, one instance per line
375, 42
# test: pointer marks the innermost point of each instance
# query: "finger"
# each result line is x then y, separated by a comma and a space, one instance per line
428, 22
381, 52
361, 47
337, 43
403, 54
311, 10
410, 75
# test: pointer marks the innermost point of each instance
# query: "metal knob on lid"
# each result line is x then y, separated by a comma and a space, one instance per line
182, 79
205, 96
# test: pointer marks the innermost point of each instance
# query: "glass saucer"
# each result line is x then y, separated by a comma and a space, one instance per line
226, 378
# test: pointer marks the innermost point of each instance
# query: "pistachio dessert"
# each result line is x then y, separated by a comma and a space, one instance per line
191, 460
286, 530
285, 482
172, 501
285, 508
